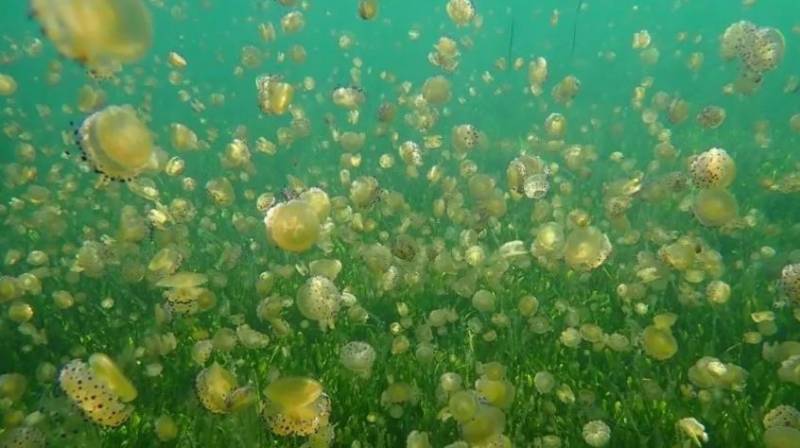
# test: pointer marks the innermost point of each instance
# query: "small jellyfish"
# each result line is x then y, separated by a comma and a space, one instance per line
296, 406
348, 97
294, 226
117, 143
318, 299
358, 357
658, 342
94, 391
367, 9
23, 437
711, 117
218, 391
436, 90
536, 186
274, 95
596, 433
790, 281
713, 169
586, 248
714, 207
100, 34
7, 85
461, 12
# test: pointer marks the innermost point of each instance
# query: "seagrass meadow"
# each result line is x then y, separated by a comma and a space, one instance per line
400, 223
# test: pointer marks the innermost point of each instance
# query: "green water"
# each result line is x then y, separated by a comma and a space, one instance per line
407, 252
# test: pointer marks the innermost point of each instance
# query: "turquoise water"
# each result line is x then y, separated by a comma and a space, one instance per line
83, 256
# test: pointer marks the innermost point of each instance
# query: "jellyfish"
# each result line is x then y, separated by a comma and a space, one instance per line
596, 433
790, 281
274, 95
101, 34
781, 437
658, 342
296, 406
461, 12
116, 143
713, 169
358, 357
536, 186
348, 97
782, 415
99, 389
586, 248
714, 207
23, 437
711, 117
318, 299
436, 90
294, 226
218, 390
368, 9
183, 280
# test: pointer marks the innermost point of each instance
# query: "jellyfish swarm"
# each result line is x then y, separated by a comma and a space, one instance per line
116, 143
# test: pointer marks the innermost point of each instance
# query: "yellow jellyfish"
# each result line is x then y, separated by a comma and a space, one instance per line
586, 248
657, 339
348, 97
7, 85
436, 90
714, 207
713, 169
217, 390
94, 389
296, 406
790, 280
358, 357
97, 33
117, 143
183, 280
368, 9
274, 95
711, 117
294, 226
782, 437
461, 12
23, 437
318, 299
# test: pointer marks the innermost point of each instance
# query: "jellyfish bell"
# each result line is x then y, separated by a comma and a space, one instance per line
348, 97
296, 406
294, 226
117, 143
367, 9
713, 169
461, 12
586, 248
714, 207
93, 388
97, 33
274, 95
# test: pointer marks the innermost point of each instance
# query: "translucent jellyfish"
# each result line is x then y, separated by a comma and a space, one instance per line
713, 169
659, 343
107, 371
549, 240
117, 143
790, 281
781, 437
95, 393
7, 85
586, 248
23, 437
711, 117
566, 90
96, 33
461, 12
487, 423
218, 391
358, 357
463, 405
536, 186
274, 95
465, 137
555, 125
782, 415
596, 433
709, 372
714, 207
436, 90
318, 299
367, 9
294, 226
348, 97
296, 406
